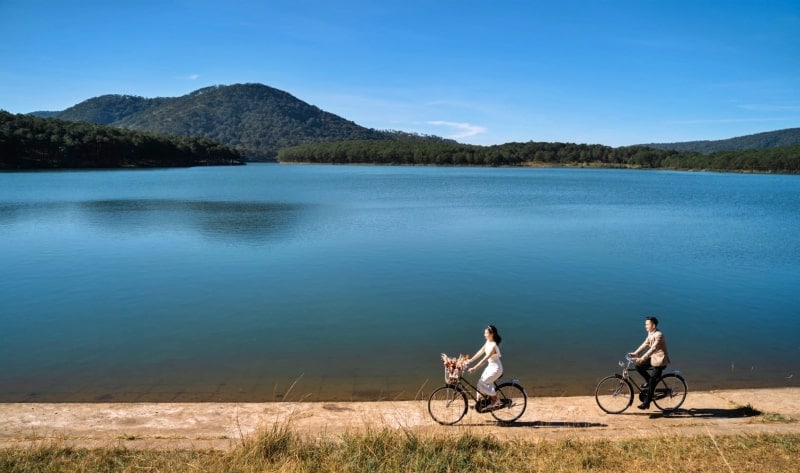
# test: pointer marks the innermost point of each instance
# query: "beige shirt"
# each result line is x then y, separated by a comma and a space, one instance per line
657, 349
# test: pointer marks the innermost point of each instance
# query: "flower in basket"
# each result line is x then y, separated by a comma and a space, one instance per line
454, 366
460, 362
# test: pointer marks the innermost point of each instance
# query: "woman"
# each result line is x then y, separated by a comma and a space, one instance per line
494, 368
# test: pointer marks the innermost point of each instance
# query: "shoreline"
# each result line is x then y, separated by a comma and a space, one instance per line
314, 390
202, 425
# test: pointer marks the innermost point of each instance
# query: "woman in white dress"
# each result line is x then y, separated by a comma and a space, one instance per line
494, 368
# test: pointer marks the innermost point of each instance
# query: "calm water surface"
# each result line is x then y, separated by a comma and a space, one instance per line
269, 282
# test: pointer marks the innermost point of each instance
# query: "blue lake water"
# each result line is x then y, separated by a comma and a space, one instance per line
268, 282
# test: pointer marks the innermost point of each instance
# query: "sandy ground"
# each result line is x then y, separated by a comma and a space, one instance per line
224, 425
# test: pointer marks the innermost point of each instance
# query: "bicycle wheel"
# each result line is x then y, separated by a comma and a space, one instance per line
613, 394
670, 392
514, 402
447, 405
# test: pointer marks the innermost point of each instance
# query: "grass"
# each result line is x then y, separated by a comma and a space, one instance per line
775, 418
280, 449
764, 417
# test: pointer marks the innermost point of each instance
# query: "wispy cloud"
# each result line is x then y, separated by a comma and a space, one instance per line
190, 77
712, 121
460, 130
770, 108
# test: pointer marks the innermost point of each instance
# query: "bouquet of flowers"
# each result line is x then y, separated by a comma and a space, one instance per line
453, 367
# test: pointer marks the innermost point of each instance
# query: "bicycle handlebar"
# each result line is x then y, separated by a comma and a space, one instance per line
629, 359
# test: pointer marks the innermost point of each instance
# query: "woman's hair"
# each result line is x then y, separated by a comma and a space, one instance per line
495, 334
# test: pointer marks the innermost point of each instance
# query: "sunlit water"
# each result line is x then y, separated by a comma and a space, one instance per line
269, 282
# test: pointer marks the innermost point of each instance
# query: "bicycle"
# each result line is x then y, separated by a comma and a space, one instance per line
449, 404
614, 393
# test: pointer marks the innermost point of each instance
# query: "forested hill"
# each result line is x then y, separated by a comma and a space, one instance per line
769, 139
259, 120
256, 119
28, 142
784, 159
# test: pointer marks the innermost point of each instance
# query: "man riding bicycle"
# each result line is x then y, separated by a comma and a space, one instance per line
655, 357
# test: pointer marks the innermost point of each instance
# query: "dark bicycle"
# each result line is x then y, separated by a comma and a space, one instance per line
449, 403
614, 393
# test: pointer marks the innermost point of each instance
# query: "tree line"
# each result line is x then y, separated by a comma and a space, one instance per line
417, 152
28, 142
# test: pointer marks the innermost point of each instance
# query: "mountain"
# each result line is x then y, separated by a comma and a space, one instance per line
259, 120
769, 139
255, 119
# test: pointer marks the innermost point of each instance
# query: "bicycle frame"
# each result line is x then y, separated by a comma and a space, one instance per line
626, 368
463, 384
449, 404
614, 393
631, 365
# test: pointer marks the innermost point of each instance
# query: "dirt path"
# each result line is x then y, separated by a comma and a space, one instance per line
223, 425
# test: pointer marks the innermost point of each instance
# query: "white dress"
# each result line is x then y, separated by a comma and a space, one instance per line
493, 370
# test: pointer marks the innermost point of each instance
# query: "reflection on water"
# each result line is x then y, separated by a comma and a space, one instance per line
225, 221
242, 222
16, 212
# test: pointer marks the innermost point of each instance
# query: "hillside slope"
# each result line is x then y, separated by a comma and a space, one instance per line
256, 119
769, 139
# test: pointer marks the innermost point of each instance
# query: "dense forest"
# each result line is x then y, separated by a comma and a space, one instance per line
28, 142
785, 159
255, 119
769, 139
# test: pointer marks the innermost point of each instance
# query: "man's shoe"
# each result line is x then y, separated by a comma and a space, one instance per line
644, 405
644, 386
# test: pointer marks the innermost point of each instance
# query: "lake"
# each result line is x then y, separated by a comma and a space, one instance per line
308, 282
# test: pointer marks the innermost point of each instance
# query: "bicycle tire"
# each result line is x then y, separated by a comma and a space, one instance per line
448, 404
670, 392
614, 394
514, 400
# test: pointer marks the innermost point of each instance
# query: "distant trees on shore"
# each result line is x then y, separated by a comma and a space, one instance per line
780, 160
28, 142
415, 152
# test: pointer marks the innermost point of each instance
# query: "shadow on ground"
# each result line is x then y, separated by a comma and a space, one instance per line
737, 413
566, 425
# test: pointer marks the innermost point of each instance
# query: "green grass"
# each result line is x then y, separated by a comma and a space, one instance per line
281, 449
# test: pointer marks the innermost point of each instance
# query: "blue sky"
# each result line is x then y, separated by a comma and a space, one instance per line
481, 72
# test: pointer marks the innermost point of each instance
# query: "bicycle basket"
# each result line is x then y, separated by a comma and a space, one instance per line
454, 367
451, 376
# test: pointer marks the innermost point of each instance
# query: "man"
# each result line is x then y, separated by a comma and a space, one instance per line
656, 357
